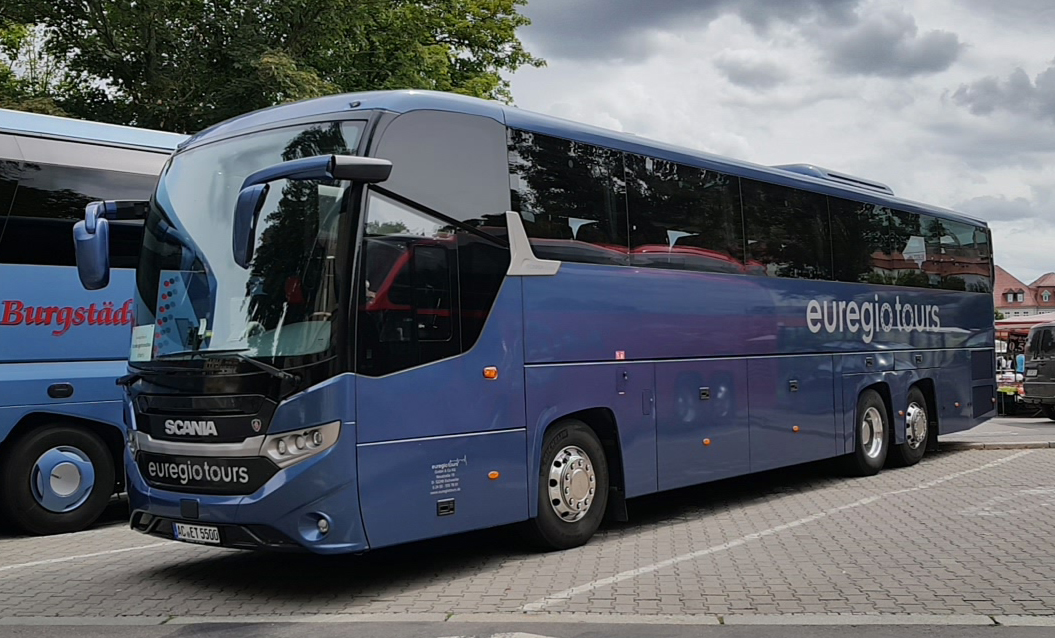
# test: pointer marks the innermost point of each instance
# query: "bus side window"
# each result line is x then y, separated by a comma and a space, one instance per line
51, 198
8, 181
432, 292
409, 306
788, 231
571, 197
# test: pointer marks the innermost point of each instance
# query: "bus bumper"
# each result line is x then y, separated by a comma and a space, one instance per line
276, 517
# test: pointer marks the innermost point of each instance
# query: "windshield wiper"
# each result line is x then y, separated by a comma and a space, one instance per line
268, 368
237, 354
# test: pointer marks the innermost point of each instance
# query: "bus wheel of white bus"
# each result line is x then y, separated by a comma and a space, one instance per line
872, 436
917, 429
573, 487
56, 479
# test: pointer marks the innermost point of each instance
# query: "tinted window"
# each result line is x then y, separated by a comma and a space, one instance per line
861, 246
908, 250
957, 255
425, 291
1042, 344
788, 234
462, 170
50, 199
569, 194
683, 217
8, 177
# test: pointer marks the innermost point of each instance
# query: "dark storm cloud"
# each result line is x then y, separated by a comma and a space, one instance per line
1017, 94
889, 44
620, 29
751, 74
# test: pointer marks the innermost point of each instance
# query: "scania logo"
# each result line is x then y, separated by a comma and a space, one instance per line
190, 428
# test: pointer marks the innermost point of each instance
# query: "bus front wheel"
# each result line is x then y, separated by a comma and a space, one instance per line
573, 487
56, 479
871, 436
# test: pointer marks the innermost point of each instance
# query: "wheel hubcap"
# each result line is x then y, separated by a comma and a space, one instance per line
915, 425
62, 479
872, 431
572, 484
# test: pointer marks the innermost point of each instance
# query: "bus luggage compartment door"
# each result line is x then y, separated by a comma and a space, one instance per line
792, 403
421, 488
701, 421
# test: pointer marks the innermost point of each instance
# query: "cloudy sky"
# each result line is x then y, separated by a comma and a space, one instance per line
949, 102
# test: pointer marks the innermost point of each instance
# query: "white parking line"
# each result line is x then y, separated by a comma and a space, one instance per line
567, 594
66, 559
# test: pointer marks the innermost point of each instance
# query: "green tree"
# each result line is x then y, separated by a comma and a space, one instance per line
183, 65
29, 76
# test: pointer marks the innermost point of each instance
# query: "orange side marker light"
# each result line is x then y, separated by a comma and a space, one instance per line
493, 475
491, 373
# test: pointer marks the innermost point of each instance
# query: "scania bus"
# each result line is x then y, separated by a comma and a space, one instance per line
61, 346
374, 318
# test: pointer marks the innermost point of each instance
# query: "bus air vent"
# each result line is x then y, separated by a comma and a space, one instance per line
834, 176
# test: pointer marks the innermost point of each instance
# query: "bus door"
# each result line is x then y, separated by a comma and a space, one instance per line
440, 396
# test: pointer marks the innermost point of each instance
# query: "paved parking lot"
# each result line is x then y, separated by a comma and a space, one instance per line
966, 532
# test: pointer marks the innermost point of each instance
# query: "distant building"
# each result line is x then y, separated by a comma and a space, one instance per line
1016, 299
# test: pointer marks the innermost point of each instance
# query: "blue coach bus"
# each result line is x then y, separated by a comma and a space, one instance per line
62, 347
374, 318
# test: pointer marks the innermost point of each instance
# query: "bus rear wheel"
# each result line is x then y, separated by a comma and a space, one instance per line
56, 479
573, 487
871, 436
917, 431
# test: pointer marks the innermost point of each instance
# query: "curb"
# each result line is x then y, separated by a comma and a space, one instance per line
1005, 445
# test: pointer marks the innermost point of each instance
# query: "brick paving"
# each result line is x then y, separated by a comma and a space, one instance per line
941, 538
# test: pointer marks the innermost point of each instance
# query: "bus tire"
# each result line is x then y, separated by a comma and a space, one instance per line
573, 487
56, 479
917, 431
871, 436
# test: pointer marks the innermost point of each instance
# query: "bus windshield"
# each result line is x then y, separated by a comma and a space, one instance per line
191, 296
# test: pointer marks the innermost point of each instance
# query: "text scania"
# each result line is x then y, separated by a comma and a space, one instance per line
870, 317
196, 471
190, 428
16, 313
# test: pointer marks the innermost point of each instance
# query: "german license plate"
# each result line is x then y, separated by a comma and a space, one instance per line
196, 533
1031, 373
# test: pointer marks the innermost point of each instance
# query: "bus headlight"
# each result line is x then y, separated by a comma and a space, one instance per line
288, 448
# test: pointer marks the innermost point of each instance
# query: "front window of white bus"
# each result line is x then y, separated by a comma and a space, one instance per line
194, 302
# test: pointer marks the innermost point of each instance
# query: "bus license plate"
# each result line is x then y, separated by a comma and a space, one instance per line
196, 533
1031, 373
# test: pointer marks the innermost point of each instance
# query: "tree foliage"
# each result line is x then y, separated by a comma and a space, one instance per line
29, 76
182, 65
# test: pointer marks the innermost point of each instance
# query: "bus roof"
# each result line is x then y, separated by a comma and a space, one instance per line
803, 176
67, 128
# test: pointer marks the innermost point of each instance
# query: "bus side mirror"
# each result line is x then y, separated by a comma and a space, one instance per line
251, 197
91, 241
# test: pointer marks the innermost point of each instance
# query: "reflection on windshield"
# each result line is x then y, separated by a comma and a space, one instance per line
189, 289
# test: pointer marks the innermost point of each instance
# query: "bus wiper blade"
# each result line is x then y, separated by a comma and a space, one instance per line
239, 354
